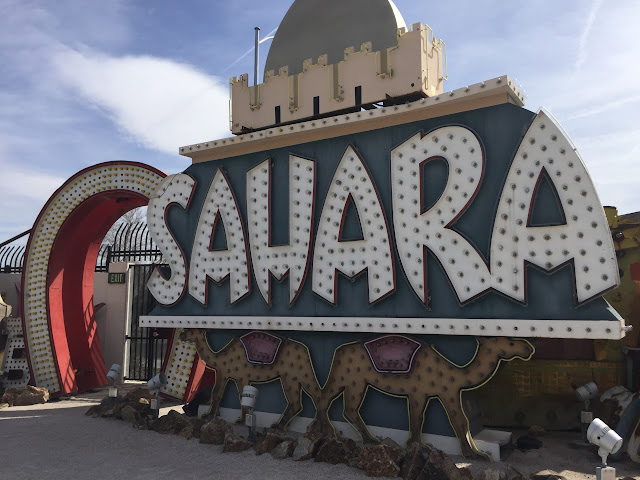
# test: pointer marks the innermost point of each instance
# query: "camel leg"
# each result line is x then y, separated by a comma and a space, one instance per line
417, 407
460, 424
240, 383
292, 392
216, 394
321, 423
353, 397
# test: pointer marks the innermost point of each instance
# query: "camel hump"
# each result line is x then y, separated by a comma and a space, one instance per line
392, 353
261, 347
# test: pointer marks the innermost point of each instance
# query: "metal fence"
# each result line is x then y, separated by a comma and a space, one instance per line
146, 346
131, 243
11, 258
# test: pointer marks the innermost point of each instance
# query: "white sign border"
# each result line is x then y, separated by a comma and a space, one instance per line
486, 327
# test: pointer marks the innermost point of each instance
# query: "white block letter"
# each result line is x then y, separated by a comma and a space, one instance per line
585, 238
284, 259
219, 206
352, 182
174, 189
416, 230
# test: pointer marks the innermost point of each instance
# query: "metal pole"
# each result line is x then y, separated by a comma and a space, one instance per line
29, 231
256, 56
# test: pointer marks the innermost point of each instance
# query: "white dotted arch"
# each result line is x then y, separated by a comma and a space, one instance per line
132, 178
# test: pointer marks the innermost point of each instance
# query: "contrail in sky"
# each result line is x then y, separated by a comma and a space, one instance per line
251, 49
584, 37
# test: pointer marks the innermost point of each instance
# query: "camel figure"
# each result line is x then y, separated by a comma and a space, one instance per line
432, 375
290, 362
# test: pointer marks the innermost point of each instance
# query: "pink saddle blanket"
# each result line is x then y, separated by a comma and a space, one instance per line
261, 347
392, 353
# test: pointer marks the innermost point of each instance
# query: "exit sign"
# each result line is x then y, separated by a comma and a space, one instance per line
116, 278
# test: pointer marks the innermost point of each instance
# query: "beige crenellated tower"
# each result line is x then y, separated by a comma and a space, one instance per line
413, 68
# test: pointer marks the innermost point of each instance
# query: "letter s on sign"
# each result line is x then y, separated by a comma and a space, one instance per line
174, 189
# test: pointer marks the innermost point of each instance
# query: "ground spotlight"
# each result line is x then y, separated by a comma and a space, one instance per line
155, 384
112, 377
608, 442
249, 397
586, 393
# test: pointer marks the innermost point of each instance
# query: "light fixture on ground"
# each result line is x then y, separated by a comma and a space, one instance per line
113, 376
608, 442
155, 384
249, 397
586, 393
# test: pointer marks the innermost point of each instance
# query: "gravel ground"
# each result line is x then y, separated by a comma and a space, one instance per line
58, 441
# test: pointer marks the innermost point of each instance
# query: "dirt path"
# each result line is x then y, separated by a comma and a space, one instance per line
57, 440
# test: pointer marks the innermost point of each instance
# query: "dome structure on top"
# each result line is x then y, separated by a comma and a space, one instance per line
312, 28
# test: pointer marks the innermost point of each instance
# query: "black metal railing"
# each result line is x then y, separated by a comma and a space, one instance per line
147, 346
131, 243
11, 258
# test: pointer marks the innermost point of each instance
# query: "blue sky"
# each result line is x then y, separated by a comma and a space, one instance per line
86, 81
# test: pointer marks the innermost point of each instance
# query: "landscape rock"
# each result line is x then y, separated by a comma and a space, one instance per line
466, 473
129, 414
141, 406
353, 451
492, 474
197, 424
413, 462
186, 432
22, 396
439, 466
109, 400
537, 431
381, 460
133, 411
283, 450
214, 432
391, 443
107, 411
3, 405
267, 442
514, 474
173, 422
139, 393
233, 443
142, 424
94, 411
332, 451
117, 405
547, 475
307, 446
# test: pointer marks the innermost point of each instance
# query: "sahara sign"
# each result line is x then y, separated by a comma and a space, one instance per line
453, 217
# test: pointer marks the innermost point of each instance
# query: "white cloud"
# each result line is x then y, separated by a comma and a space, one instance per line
24, 192
18, 183
159, 103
